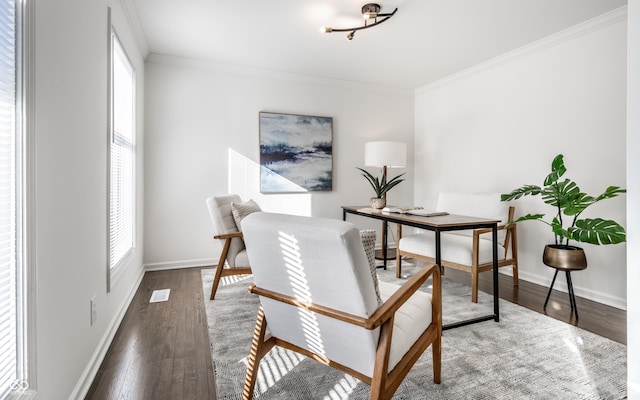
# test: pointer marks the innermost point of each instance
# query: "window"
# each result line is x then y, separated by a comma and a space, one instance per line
13, 340
122, 156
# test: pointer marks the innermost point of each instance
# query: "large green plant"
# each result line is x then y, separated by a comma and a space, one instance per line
380, 185
570, 202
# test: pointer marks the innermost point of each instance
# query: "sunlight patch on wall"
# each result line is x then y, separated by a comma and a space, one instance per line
244, 180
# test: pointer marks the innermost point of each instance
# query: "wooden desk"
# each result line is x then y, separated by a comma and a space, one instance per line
438, 225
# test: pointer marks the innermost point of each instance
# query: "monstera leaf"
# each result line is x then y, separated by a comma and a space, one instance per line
569, 201
561, 194
557, 170
523, 191
597, 231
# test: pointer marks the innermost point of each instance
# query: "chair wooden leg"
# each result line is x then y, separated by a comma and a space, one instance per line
514, 255
216, 280
474, 284
258, 349
436, 347
381, 368
218, 275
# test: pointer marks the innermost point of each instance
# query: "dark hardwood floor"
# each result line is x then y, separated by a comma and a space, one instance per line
161, 350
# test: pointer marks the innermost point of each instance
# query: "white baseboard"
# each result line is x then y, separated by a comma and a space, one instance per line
160, 266
89, 374
613, 301
561, 285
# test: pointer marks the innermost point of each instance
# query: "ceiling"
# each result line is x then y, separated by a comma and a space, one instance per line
425, 41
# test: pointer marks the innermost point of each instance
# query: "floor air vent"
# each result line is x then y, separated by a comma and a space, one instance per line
159, 295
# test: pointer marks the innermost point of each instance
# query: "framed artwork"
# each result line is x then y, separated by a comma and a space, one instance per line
296, 153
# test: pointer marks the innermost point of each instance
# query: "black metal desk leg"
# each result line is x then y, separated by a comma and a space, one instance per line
550, 287
496, 297
384, 243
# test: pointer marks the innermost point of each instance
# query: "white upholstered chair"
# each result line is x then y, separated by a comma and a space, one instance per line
471, 250
318, 298
233, 259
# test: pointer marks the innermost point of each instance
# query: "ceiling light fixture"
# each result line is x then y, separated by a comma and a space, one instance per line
370, 11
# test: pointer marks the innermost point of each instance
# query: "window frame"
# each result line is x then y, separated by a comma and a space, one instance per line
114, 271
25, 235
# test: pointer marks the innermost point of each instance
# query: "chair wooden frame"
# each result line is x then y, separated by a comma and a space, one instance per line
510, 243
383, 383
220, 269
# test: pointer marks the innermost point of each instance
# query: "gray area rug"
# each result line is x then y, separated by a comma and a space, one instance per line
526, 355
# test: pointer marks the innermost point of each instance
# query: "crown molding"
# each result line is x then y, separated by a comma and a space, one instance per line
155, 58
602, 21
134, 22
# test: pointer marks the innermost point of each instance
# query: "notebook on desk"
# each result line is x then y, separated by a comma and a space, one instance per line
420, 211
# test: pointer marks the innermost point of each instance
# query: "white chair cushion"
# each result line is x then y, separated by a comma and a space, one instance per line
354, 346
409, 323
242, 259
222, 218
347, 344
321, 261
455, 248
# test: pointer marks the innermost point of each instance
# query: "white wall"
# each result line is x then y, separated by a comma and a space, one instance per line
498, 125
70, 134
633, 201
202, 140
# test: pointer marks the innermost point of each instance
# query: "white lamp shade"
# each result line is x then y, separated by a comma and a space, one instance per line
385, 154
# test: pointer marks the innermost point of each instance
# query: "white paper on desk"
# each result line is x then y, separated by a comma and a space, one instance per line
413, 211
426, 213
400, 210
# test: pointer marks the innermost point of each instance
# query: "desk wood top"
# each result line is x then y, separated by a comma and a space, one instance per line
452, 221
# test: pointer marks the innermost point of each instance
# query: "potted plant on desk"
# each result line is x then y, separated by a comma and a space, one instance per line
569, 202
380, 187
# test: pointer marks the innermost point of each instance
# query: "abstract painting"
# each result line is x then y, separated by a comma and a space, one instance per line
296, 153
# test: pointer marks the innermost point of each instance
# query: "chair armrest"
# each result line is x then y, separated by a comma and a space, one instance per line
382, 314
228, 235
329, 312
393, 303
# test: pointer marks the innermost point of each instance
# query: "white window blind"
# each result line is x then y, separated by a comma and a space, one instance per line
9, 311
122, 157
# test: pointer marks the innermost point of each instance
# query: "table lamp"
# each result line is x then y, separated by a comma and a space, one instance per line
386, 155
